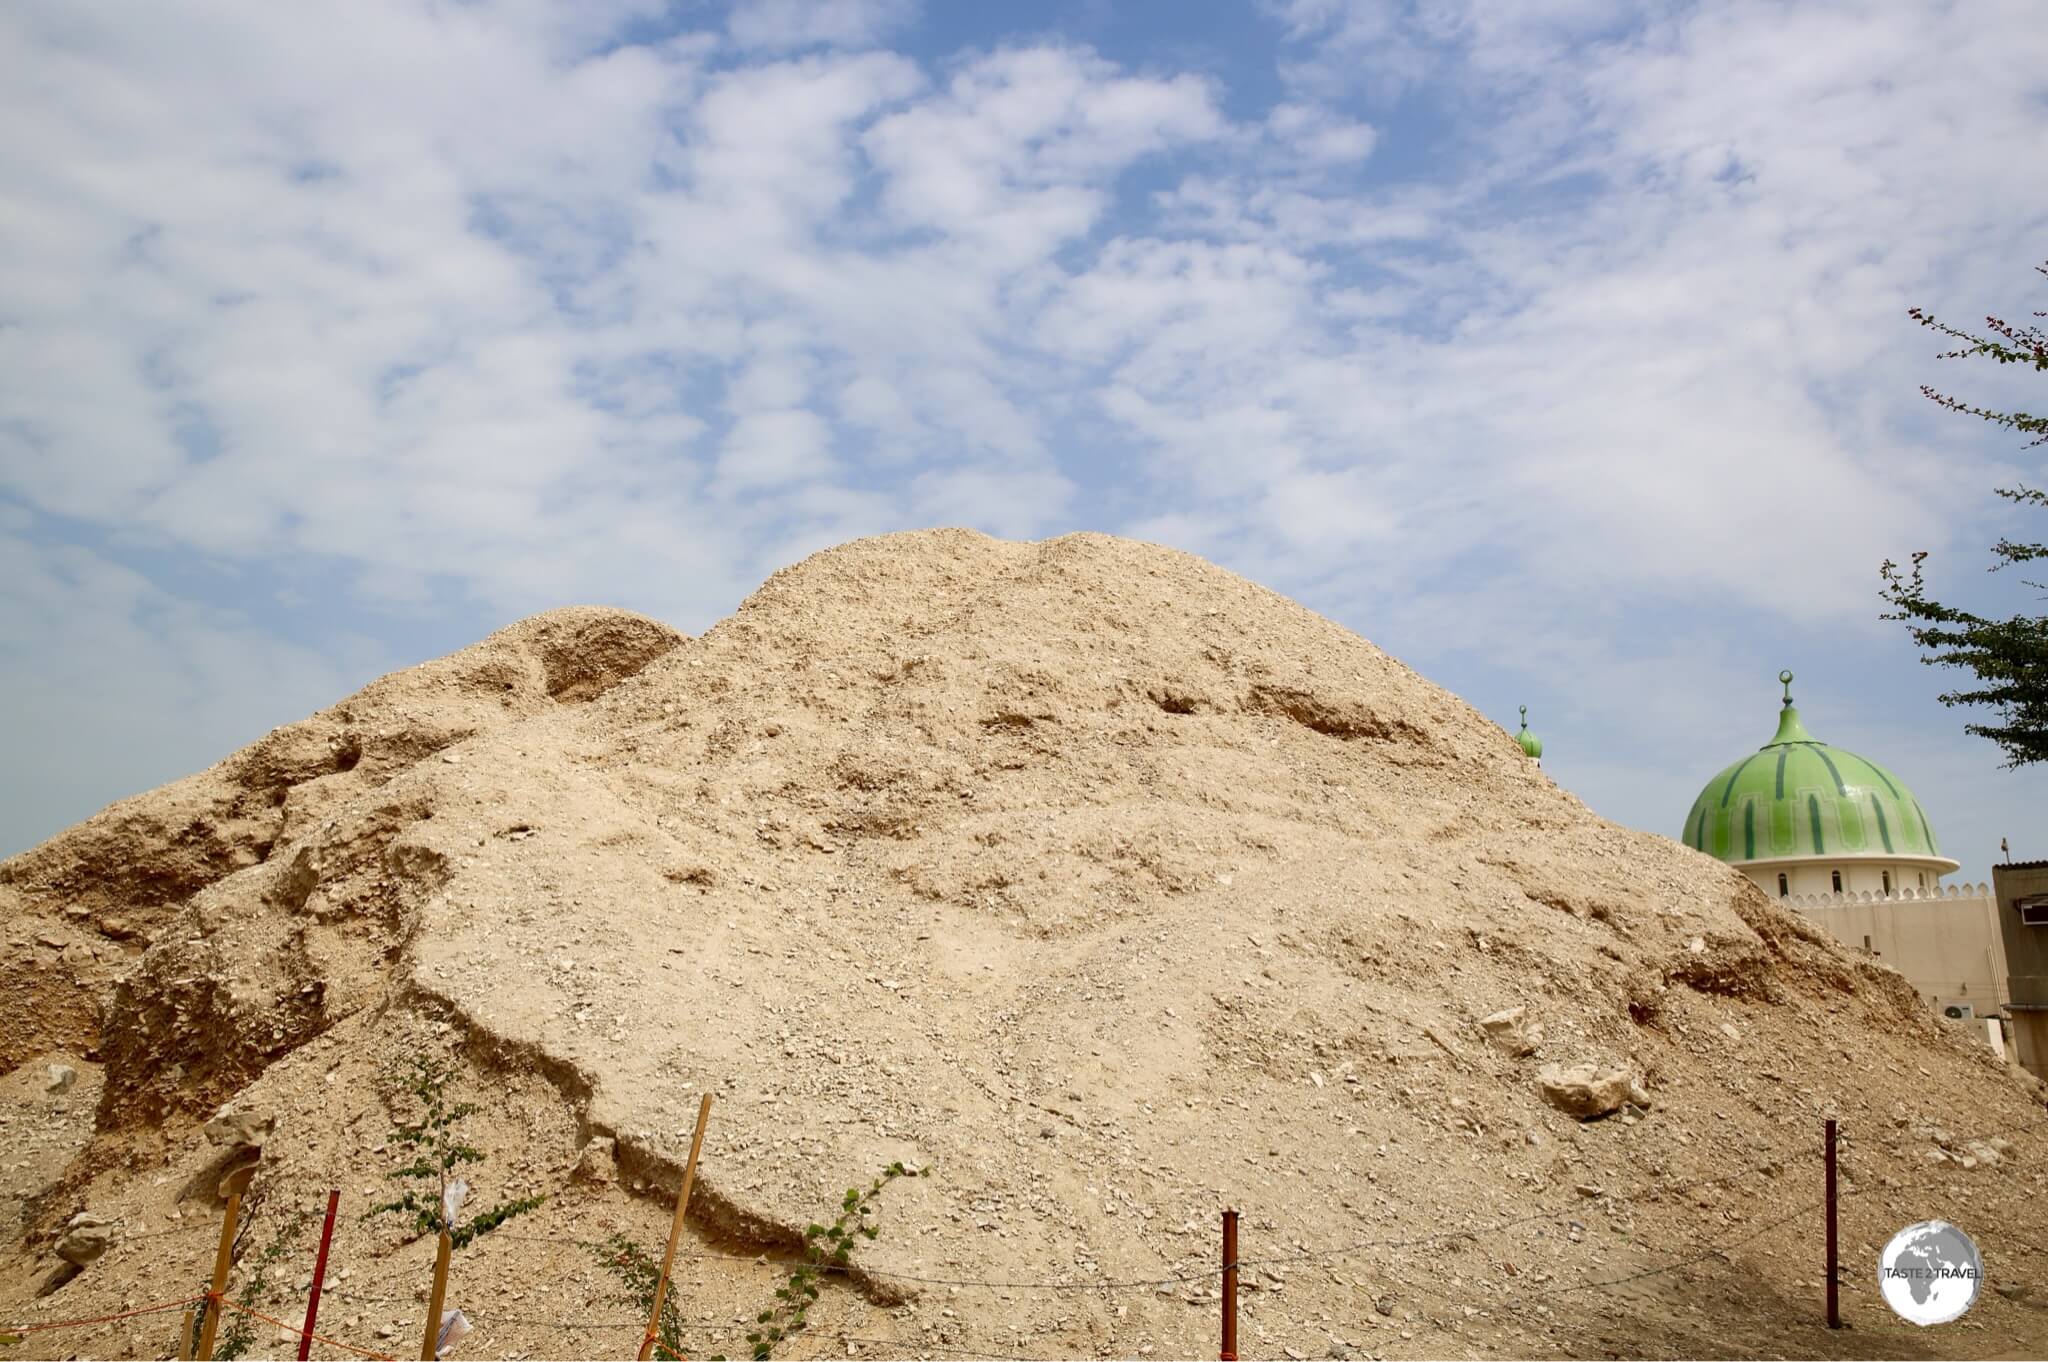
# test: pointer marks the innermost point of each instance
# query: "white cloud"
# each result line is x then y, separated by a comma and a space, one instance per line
782, 25
1318, 135
477, 300
774, 448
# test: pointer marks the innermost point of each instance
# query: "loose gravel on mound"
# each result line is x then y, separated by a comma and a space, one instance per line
1105, 885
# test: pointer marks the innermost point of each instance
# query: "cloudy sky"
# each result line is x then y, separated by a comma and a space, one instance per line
1559, 347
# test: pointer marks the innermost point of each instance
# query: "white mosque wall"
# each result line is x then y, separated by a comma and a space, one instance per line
1817, 877
1945, 940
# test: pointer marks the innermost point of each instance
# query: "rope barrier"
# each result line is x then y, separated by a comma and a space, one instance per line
1719, 1250
1206, 1274
316, 1337
1652, 1191
101, 1319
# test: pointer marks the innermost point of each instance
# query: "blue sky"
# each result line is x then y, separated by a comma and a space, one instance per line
1559, 347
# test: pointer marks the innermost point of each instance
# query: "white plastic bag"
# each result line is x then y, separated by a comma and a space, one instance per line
451, 1201
454, 1324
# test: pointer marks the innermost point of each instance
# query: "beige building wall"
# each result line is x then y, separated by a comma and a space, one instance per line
2026, 953
1946, 942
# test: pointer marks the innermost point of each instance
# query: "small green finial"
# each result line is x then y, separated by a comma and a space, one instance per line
1790, 730
1529, 742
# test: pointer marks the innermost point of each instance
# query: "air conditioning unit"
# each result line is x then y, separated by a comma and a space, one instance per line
1959, 1011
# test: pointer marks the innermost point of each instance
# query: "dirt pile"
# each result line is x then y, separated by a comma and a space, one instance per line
1109, 885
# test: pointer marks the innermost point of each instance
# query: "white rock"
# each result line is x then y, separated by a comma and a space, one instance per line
62, 1076
230, 1128
1588, 1091
86, 1236
597, 1164
1512, 1031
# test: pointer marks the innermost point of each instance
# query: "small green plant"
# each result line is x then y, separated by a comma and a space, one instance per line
240, 1333
827, 1248
437, 1151
637, 1274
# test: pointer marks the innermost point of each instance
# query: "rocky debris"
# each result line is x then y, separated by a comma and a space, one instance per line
1587, 1092
231, 1129
1982, 1152
135, 865
1945, 1146
62, 1077
596, 1165
1512, 1031
85, 1238
242, 1134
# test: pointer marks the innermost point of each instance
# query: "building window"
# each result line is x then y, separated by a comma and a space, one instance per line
1887, 881
1923, 879
1783, 888
1838, 881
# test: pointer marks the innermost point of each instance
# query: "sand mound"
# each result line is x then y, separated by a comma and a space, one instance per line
1110, 884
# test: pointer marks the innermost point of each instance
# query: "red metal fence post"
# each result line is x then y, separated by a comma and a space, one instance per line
319, 1277
1229, 1353
1834, 1301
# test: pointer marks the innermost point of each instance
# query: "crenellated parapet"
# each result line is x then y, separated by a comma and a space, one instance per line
1948, 892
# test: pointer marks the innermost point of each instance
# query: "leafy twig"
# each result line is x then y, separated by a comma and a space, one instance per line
438, 1149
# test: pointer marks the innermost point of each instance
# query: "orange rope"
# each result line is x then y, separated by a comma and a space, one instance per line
317, 1338
97, 1319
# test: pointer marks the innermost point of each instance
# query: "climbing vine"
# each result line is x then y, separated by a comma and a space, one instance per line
438, 1150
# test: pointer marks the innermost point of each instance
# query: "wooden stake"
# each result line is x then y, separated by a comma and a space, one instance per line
319, 1277
185, 1336
1229, 1351
1834, 1261
439, 1298
235, 1183
675, 1231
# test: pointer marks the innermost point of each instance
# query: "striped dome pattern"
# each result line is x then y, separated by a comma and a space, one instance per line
1796, 797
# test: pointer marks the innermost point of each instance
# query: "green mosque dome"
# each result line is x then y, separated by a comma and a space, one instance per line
1798, 798
1529, 742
